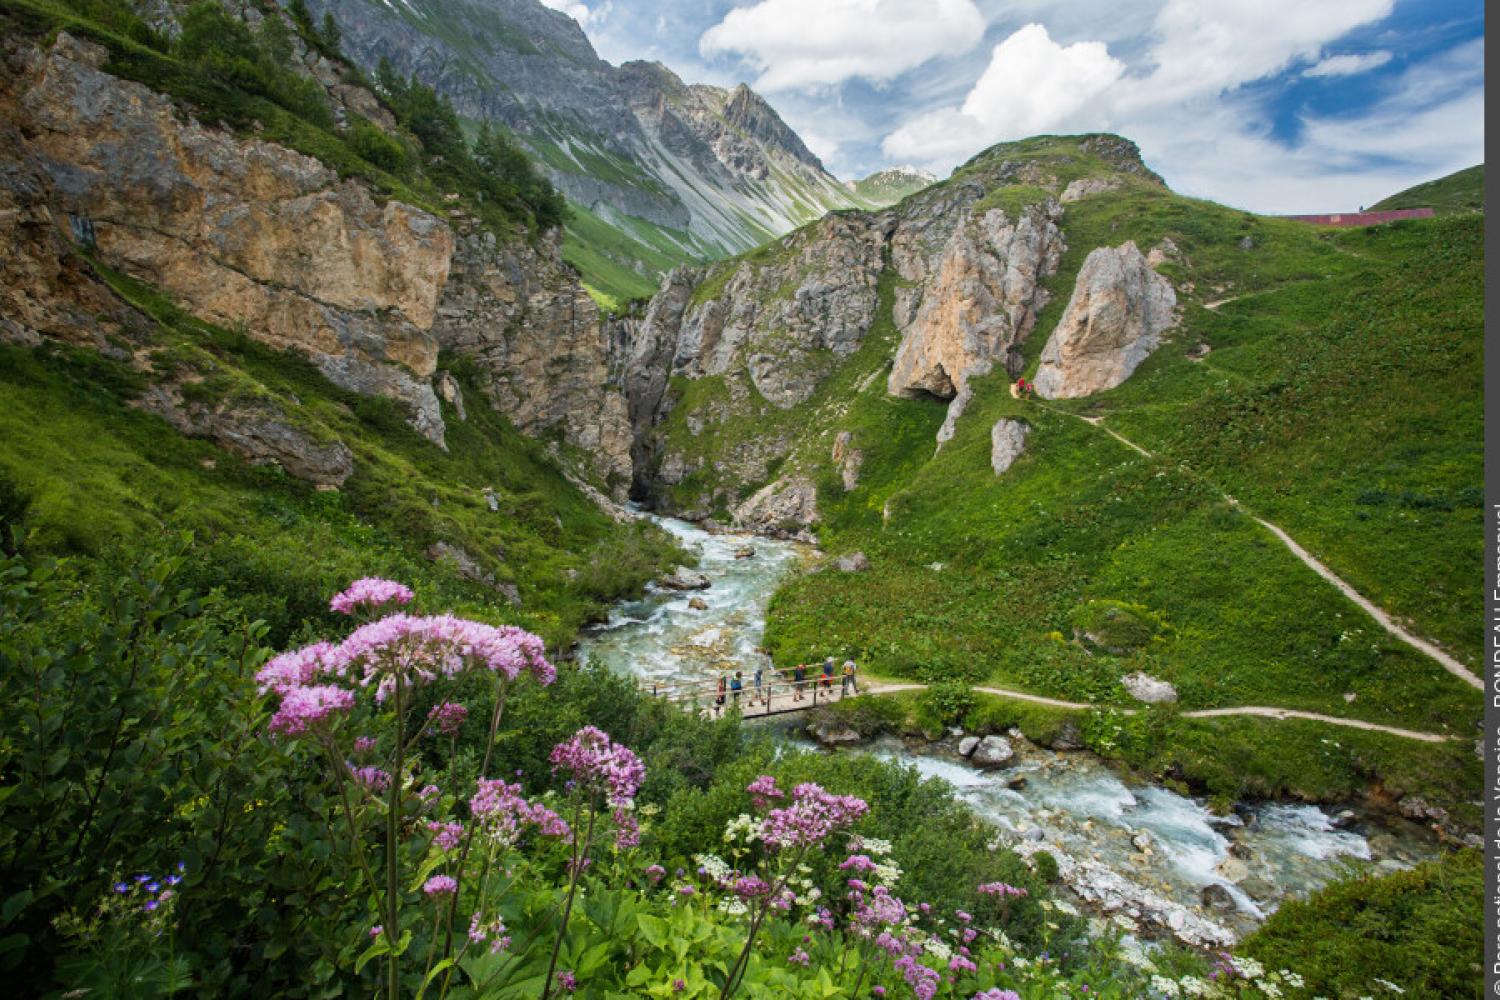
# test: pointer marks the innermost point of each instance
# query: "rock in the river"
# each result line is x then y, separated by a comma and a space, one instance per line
852, 562
745, 552
1115, 319
836, 735
993, 752
1151, 690
1007, 441
698, 604
1017, 783
1258, 888
1216, 899
1234, 869
966, 745
683, 578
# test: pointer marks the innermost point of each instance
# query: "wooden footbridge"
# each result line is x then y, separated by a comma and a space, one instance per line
778, 695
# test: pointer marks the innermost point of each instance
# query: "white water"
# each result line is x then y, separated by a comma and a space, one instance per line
1080, 805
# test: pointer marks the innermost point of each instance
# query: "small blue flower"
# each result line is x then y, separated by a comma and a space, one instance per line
122, 887
182, 866
153, 886
173, 879
143, 878
151, 904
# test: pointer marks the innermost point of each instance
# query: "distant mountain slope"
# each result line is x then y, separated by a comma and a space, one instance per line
1458, 192
886, 187
660, 171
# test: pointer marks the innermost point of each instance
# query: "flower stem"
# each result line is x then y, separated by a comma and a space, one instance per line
577, 869
392, 845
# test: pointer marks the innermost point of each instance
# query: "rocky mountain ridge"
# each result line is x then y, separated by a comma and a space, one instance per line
959, 272
704, 170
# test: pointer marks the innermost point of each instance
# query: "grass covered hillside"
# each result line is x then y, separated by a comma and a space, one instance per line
1327, 380
1462, 191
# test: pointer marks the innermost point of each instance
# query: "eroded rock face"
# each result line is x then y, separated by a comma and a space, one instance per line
240, 232
1119, 309
981, 303
1087, 187
1007, 441
541, 349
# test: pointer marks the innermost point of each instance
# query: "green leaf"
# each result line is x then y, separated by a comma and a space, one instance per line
655, 930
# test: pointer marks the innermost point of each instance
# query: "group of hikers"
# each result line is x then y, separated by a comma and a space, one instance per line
762, 687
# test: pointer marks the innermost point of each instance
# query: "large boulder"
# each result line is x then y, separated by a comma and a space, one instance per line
784, 507
967, 746
852, 562
1113, 322
993, 752
1007, 441
1151, 690
683, 578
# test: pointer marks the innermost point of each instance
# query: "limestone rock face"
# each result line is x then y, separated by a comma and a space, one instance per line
1007, 441
542, 352
240, 232
982, 301
1086, 187
1119, 309
254, 236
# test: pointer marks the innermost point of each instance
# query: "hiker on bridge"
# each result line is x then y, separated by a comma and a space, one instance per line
827, 679
758, 697
799, 678
736, 686
719, 696
846, 680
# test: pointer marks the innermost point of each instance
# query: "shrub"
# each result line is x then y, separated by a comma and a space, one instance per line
378, 148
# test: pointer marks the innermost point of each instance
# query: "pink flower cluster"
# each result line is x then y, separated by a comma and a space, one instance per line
763, 791
812, 817
371, 779
1000, 890
600, 766
303, 708
440, 885
503, 814
447, 718
997, 994
923, 981
447, 836
371, 592
418, 650
491, 931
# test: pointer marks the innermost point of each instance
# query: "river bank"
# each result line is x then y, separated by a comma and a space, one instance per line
1150, 859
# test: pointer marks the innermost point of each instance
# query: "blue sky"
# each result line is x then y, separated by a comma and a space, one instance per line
1270, 105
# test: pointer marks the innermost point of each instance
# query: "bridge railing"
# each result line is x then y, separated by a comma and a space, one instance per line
774, 685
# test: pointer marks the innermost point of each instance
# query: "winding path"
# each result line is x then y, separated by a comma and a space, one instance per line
1259, 711
1443, 658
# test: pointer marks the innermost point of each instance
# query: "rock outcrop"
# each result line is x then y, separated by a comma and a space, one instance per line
1113, 322
253, 236
228, 226
992, 752
981, 303
785, 508
1007, 441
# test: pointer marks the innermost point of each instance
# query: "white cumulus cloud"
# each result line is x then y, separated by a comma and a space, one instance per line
801, 43
1348, 65
579, 12
1031, 85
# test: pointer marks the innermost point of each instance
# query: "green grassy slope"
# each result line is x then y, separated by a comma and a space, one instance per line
1462, 191
1340, 400
97, 470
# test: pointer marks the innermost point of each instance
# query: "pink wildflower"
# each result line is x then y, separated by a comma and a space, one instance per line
763, 790
1000, 890
997, 994
447, 718
297, 668
440, 885
858, 863
371, 779
447, 836
600, 766
303, 708
502, 814
366, 744
800, 957
370, 592
567, 980
813, 815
